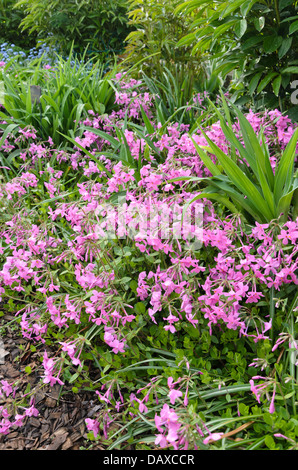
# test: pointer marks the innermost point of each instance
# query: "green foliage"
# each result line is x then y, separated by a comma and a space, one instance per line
10, 20
255, 191
67, 93
157, 31
257, 38
101, 24
173, 97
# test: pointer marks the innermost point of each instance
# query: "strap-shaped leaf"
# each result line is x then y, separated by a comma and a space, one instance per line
222, 183
253, 146
284, 171
241, 181
214, 170
149, 126
234, 141
285, 201
114, 142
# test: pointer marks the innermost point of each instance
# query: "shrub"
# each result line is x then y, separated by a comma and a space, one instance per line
256, 38
10, 20
101, 24
157, 31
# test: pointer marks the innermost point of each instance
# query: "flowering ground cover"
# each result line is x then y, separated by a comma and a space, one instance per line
146, 269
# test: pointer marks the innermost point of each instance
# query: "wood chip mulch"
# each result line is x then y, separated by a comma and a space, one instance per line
60, 424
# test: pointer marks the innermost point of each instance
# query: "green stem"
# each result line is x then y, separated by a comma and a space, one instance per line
277, 11
292, 364
272, 311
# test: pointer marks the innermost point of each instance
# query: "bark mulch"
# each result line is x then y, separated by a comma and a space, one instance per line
60, 424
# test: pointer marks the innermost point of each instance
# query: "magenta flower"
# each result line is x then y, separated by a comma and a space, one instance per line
92, 425
173, 395
213, 437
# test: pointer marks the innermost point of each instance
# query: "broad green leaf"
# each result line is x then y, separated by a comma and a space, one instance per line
266, 80
254, 82
276, 85
240, 27
294, 27
272, 43
284, 47
291, 69
259, 23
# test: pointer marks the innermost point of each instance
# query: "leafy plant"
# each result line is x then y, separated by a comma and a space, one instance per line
255, 37
10, 20
156, 31
68, 92
176, 99
100, 24
247, 178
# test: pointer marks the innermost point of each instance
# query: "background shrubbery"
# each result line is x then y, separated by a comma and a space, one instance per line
99, 24
10, 20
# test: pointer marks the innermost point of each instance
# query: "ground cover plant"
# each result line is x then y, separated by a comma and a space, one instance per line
138, 261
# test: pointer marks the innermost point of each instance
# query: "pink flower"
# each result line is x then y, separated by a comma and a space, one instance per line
173, 395
32, 411
6, 387
213, 437
271, 407
92, 425
161, 440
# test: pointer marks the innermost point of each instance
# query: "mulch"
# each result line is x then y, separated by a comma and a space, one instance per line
60, 424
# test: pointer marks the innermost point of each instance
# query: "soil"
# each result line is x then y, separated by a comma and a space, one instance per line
60, 424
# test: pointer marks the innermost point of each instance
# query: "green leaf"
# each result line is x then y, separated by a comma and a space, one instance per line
140, 308
284, 4
265, 81
269, 441
254, 82
149, 126
284, 171
284, 47
114, 142
276, 85
8, 130
240, 180
90, 155
259, 23
291, 69
260, 162
240, 28
252, 42
272, 43
206, 160
293, 27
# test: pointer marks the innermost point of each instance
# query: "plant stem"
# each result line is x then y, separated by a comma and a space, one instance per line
292, 364
272, 311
